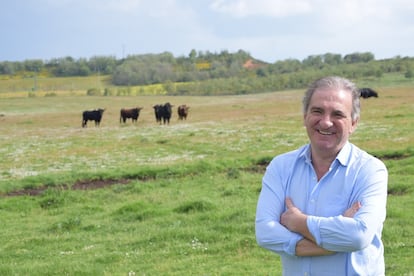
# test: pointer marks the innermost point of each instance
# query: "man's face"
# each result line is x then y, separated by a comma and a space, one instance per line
328, 120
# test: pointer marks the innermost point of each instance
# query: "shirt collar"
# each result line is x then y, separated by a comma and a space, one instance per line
306, 153
344, 154
342, 157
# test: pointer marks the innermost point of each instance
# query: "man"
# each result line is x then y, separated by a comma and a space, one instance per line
322, 206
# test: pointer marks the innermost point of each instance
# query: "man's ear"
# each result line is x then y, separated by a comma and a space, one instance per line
354, 126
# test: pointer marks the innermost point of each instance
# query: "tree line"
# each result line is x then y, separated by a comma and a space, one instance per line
208, 73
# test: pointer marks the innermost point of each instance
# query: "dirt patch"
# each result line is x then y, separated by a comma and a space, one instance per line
260, 166
97, 184
79, 185
253, 64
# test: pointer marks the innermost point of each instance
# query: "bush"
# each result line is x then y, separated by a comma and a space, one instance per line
50, 94
93, 92
108, 92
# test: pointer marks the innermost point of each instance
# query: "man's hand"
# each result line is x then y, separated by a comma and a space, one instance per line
294, 220
306, 248
350, 213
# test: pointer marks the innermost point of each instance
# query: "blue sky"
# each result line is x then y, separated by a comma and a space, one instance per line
270, 30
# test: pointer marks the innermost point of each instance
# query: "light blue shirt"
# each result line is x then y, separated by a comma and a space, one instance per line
353, 176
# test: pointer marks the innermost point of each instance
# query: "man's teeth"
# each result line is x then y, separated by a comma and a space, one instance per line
325, 132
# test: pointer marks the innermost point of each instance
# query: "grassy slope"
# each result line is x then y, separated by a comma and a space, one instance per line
189, 208
41, 85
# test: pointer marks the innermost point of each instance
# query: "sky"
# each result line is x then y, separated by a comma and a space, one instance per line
269, 30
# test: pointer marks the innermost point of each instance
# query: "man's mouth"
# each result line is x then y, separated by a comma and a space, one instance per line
323, 132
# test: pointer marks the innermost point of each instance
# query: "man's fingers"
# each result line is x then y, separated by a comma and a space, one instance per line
357, 205
289, 203
352, 210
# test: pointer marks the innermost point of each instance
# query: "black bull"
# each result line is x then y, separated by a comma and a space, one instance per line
132, 113
367, 92
163, 113
92, 115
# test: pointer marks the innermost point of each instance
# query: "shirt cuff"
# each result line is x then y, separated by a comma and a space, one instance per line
291, 247
313, 224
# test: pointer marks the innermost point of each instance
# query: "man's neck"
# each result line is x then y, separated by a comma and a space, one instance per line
321, 163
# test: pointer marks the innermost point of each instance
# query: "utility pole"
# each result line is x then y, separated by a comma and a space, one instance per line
35, 81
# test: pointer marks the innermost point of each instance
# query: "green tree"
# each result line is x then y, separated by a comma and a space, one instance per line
192, 55
359, 57
7, 68
332, 59
34, 65
315, 61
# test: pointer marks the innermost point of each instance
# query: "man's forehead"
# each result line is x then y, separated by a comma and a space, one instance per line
332, 94
333, 97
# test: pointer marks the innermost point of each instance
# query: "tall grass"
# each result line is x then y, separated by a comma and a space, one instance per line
44, 86
182, 197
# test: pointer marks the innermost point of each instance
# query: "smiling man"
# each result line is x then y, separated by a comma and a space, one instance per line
322, 206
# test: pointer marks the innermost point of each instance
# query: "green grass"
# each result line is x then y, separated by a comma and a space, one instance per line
182, 197
44, 86
175, 226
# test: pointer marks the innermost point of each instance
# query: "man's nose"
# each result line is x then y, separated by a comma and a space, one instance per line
326, 122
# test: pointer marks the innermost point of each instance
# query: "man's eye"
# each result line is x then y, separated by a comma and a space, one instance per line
339, 115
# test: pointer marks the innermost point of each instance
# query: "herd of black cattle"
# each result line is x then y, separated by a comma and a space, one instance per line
163, 113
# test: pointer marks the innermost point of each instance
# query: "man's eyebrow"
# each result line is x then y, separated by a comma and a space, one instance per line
339, 112
315, 108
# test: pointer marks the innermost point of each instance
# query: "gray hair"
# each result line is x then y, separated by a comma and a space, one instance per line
337, 83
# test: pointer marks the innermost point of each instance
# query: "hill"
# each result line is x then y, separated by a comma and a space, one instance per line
202, 73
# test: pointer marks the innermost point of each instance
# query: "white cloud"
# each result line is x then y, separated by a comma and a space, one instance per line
276, 8
123, 6
106, 5
268, 29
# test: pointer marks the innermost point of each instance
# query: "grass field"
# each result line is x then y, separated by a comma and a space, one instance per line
40, 86
174, 199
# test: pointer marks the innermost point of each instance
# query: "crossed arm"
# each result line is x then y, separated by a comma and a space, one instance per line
294, 220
